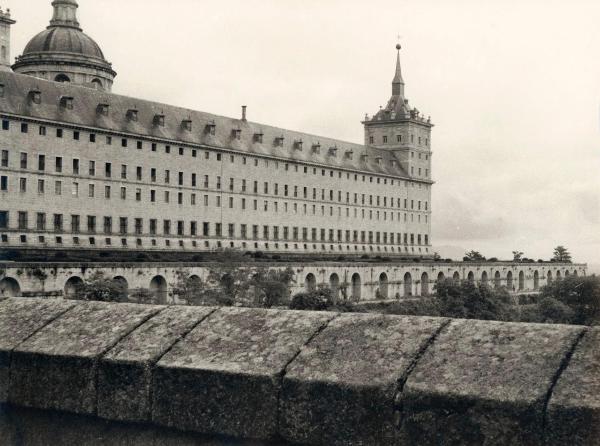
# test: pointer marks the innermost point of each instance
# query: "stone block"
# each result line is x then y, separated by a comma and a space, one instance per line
19, 319
483, 383
224, 378
56, 368
125, 372
573, 415
341, 389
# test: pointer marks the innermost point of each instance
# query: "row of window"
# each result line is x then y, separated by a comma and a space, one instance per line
399, 139
286, 190
154, 147
169, 227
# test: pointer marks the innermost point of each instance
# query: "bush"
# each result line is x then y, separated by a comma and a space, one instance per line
318, 300
580, 294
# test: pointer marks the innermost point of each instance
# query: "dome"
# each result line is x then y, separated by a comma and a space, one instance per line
64, 40
64, 53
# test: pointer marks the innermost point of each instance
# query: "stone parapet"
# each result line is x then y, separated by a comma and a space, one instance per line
94, 374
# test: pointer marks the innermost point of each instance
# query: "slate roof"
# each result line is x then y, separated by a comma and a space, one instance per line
88, 104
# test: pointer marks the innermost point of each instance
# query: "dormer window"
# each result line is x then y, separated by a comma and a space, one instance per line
236, 134
159, 120
186, 125
211, 128
349, 154
132, 114
333, 151
298, 144
35, 96
102, 109
279, 141
258, 137
394, 163
66, 102
364, 158
316, 148
378, 159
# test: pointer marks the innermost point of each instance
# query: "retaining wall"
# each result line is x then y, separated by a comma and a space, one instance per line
75, 373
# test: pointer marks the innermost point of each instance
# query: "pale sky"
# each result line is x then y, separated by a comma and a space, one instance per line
512, 86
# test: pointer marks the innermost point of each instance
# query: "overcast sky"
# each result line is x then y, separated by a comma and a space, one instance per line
512, 86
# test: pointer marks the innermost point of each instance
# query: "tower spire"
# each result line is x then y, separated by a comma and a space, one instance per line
398, 82
65, 14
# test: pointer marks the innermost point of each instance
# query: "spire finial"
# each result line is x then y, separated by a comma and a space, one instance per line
398, 82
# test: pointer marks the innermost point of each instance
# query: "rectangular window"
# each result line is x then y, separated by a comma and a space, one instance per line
91, 224
58, 165
138, 173
218, 230
4, 183
153, 226
22, 219
138, 194
123, 193
58, 222
91, 191
41, 221
5, 124
107, 170
166, 227
41, 162
167, 176
23, 160
92, 168
24, 127
180, 178
107, 192
193, 228
3, 219
22, 184
108, 225
153, 175
58, 187
193, 180
75, 224
4, 159
41, 186
123, 171
138, 226
205, 228
123, 225
180, 227
75, 167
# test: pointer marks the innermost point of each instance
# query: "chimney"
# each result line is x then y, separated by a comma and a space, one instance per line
244, 107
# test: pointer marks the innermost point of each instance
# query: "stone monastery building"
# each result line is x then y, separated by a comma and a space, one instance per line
83, 168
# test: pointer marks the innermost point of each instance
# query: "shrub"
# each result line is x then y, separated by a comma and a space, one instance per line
318, 300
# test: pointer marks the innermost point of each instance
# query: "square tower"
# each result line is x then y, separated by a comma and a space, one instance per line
5, 23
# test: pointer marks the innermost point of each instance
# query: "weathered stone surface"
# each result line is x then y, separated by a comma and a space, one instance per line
573, 415
19, 319
341, 388
125, 372
225, 377
56, 368
483, 383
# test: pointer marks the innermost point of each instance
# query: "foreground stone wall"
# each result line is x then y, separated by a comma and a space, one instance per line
75, 373
356, 281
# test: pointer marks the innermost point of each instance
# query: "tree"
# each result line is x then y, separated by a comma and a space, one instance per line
474, 256
581, 294
561, 254
100, 288
517, 256
469, 300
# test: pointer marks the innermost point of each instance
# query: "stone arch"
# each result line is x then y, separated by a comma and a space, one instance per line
356, 286
521, 280
456, 276
471, 277
424, 284
122, 286
549, 277
9, 287
158, 289
195, 281
509, 280
484, 278
497, 280
62, 78
575, 273
97, 83
407, 284
334, 285
558, 276
536, 280
310, 282
441, 277
72, 286
383, 286
567, 273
